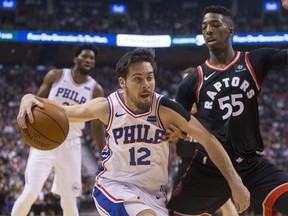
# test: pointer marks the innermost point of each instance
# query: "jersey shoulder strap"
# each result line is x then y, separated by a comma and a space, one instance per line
199, 83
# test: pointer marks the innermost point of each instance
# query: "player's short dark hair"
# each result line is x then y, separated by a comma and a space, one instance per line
82, 47
219, 10
135, 56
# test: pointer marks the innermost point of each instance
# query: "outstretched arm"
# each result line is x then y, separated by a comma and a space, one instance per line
94, 109
218, 155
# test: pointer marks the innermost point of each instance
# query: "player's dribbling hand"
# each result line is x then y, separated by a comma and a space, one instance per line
27, 102
285, 4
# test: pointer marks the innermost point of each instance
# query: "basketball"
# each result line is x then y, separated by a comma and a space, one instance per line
49, 129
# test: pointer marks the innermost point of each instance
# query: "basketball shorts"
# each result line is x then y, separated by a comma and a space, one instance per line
65, 161
204, 189
182, 167
106, 204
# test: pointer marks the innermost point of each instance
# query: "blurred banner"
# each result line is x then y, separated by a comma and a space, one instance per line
129, 40
57, 37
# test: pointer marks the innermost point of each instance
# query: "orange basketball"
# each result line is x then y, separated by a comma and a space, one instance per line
49, 129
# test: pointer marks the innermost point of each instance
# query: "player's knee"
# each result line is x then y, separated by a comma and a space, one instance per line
147, 212
24, 202
68, 201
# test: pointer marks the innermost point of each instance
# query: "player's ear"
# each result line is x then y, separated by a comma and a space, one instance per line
121, 82
75, 60
231, 30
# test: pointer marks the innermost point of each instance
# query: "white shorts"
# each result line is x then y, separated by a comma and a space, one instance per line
143, 200
66, 162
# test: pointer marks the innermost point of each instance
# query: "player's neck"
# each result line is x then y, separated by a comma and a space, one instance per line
221, 58
130, 104
78, 77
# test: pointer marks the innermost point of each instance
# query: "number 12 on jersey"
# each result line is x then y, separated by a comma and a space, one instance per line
140, 156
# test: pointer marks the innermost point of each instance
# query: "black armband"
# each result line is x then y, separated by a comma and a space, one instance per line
176, 107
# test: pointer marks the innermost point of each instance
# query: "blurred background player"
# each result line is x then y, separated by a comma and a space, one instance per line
67, 87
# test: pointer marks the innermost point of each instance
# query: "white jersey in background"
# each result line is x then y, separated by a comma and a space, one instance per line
135, 153
67, 92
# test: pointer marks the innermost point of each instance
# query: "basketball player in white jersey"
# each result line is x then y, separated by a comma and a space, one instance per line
66, 87
134, 163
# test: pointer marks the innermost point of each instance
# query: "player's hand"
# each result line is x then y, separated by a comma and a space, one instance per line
173, 134
285, 4
241, 197
27, 102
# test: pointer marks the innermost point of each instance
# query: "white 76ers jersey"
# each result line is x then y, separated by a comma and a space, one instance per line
67, 92
135, 153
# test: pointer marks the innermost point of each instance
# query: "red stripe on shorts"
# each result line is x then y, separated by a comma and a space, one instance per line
272, 198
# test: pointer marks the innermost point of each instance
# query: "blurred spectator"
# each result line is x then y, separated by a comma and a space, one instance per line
160, 17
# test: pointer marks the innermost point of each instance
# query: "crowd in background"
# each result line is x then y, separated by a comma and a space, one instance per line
181, 17
17, 80
89, 16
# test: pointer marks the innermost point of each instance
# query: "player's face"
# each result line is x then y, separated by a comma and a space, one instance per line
85, 61
139, 86
217, 30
